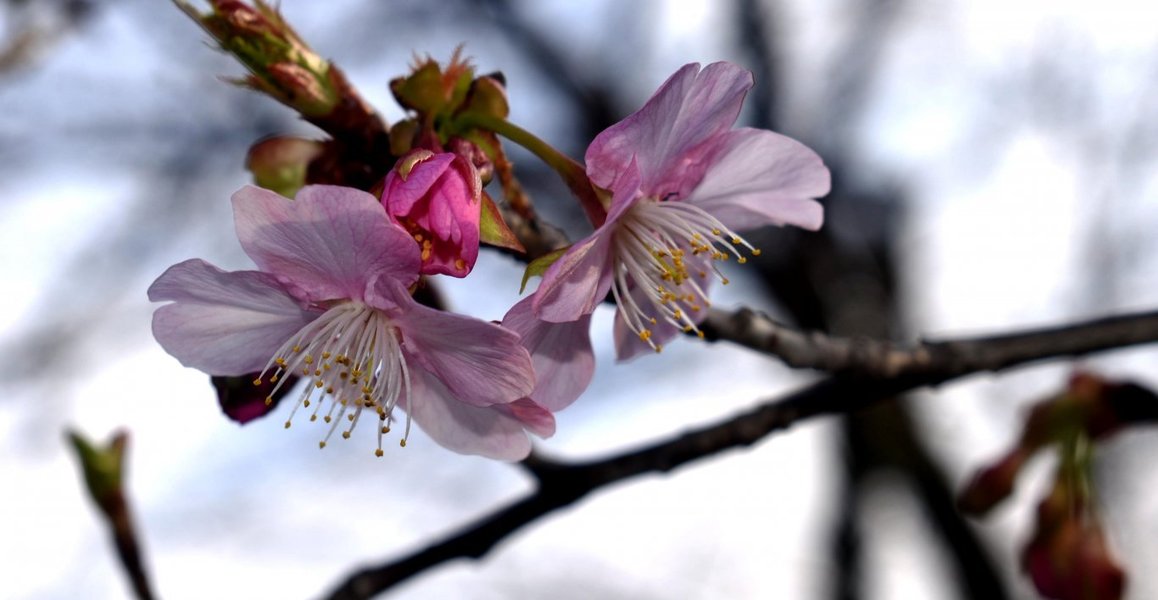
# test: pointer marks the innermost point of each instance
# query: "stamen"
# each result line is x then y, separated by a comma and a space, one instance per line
373, 373
658, 247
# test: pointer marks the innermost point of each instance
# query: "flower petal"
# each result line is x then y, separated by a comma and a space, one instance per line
533, 416
462, 428
667, 136
479, 362
325, 244
560, 352
220, 322
763, 178
578, 281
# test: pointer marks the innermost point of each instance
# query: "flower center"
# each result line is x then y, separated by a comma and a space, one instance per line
666, 249
352, 354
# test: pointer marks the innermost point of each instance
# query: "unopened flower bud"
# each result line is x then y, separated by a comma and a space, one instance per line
282, 65
431, 89
281, 163
248, 397
472, 153
437, 198
991, 484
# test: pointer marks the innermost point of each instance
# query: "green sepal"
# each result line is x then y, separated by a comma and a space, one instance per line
102, 466
493, 229
537, 267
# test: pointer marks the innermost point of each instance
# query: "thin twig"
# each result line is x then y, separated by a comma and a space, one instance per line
561, 484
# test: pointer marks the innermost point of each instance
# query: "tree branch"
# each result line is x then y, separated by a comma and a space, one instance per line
561, 484
882, 359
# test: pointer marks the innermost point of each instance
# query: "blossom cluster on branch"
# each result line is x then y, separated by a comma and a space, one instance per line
331, 304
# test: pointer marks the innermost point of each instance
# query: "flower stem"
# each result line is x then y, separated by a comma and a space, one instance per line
572, 172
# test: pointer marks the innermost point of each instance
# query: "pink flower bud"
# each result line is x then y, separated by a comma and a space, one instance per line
1070, 560
992, 484
437, 198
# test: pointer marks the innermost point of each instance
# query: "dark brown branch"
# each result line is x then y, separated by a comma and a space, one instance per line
882, 359
561, 484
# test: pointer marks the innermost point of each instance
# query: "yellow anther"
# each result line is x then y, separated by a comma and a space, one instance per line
735, 240
279, 361
715, 231
329, 390
385, 430
287, 424
268, 400
350, 417
327, 418
257, 381
700, 334
313, 418
418, 237
379, 453
325, 356
658, 348
273, 378
321, 445
742, 260
297, 348
402, 442
652, 320
309, 360
755, 252
645, 335
345, 435
460, 264
306, 403
318, 383
725, 281
317, 372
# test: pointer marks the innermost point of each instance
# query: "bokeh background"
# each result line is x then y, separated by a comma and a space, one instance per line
994, 168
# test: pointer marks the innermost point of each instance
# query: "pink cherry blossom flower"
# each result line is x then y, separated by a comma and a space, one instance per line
331, 303
682, 183
437, 198
561, 353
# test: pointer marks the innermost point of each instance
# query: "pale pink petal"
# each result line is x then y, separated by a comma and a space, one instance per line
466, 429
625, 193
667, 136
763, 178
223, 323
578, 281
560, 352
480, 363
325, 244
532, 415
